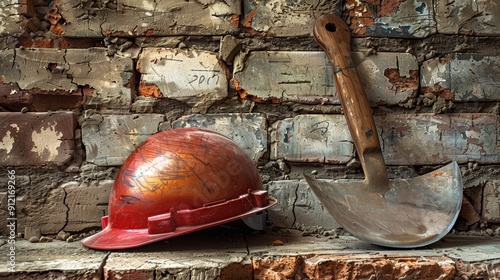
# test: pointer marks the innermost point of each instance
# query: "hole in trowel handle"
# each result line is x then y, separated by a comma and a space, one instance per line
331, 27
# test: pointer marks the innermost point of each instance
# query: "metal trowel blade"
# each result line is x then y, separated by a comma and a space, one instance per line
412, 213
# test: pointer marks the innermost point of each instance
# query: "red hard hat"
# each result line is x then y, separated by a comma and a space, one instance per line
179, 181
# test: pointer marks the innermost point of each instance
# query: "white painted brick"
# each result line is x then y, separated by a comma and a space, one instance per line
8, 73
312, 138
191, 76
247, 130
284, 18
43, 69
86, 204
71, 69
110, 139
53, 260
479, 17
297, 205
437, 139
405, 139
149, 17
305, 76
10, 16
491, 202
466, 77
111, 78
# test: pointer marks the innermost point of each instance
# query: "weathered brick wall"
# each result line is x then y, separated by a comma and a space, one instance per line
82, 83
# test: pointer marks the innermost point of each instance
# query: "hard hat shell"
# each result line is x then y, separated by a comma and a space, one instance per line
179, 181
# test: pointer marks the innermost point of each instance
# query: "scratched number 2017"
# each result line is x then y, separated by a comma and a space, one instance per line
204, 80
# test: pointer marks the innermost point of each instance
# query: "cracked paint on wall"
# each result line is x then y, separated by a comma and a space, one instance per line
109, 139
193, 77
433, 139
297, 204
422, 139
479, 17
312, 138
148, 18
462, 77
67, 74
285, 17
10, 16
307, 77
249, 130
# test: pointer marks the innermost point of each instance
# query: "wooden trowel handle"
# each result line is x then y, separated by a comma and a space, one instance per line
334, 36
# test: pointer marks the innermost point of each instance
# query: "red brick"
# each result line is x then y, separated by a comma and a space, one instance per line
13, 98
378, 267
132, 274
57, 101
36, 138
491, 202
277, 268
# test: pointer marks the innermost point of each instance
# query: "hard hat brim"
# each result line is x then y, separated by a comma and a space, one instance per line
116, 239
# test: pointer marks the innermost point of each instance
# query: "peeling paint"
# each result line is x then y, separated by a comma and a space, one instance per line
439, 91
479, 17
462, 77
391, 18
149, 90
147, 18
7, 142
248, 130
285, 17
402, 83
312, 138
109, 139
46, 142
190, 76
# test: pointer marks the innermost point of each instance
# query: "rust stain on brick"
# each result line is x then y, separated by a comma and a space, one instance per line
402, 83
44, 43
241, 92
149, 90
384, 7
57, 29
244, 95
248, 19
247, 23
87, 90
440, 91
73, 43
235, 20
436, 174
149, 32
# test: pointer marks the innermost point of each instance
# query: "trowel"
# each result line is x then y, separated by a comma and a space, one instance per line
398, 213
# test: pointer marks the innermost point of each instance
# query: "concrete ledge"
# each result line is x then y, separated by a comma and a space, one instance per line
231, 253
